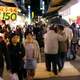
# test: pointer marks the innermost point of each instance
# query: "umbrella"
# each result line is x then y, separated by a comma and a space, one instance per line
58, 20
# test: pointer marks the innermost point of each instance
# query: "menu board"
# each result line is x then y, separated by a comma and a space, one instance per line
8, 13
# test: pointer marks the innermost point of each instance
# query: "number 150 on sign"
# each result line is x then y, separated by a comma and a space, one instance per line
7, 16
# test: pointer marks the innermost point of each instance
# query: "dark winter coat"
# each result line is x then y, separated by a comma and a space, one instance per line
3, 57
16, 54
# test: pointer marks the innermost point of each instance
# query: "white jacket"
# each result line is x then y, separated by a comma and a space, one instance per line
51, 42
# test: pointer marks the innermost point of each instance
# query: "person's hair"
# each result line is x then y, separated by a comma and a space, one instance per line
73, 25
8, 26
60, 16
56, 29
51, 27
3, 21
12, 35
1, 30
60, 27
27, 32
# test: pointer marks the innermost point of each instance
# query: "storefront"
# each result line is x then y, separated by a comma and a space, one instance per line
10, 14
71, 12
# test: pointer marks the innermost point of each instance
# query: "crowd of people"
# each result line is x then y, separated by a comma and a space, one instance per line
21, 48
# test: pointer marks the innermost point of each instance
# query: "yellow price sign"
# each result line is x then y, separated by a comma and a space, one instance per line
7, 13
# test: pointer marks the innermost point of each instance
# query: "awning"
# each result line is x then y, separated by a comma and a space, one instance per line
55, 5
2, 3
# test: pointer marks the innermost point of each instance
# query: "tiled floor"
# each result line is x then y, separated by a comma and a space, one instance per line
68, 71
71, 71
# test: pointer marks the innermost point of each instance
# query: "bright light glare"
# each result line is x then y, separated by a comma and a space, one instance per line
28, 20
29, 7
19, 10
77, 8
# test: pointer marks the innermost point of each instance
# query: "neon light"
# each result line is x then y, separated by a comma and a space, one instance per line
29, 14
41, 5
43, 8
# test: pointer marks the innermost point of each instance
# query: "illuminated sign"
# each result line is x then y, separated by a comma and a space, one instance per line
7, 13
32, 14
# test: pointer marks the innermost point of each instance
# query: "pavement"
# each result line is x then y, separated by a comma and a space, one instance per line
71, 71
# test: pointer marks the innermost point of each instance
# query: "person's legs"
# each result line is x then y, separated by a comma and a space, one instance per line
1, 71
73, 50
30, 74
24, 73
63, 58
55, 63
48, 62
59, 62
20, 74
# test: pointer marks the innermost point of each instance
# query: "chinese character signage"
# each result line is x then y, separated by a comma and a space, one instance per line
7, 13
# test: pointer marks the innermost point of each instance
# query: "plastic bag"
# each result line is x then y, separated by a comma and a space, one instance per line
14, 76
69, 55
79, 42
1, 78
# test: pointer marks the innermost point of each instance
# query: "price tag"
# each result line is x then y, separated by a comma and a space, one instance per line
8, 13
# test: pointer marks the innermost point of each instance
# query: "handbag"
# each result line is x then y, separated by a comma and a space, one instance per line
69, 55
